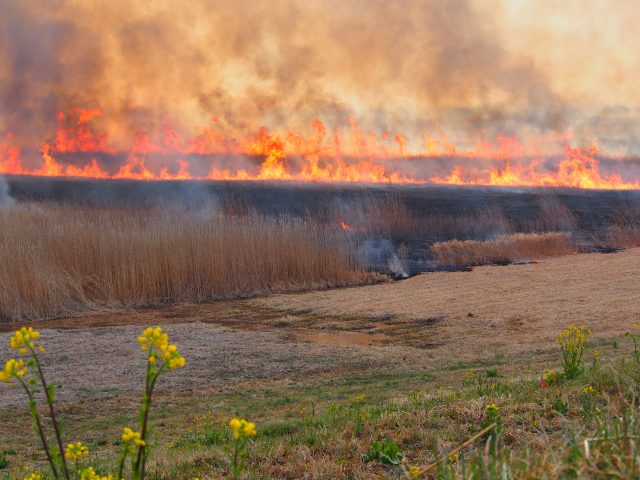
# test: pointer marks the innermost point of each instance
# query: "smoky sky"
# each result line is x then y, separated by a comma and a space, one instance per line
405, 65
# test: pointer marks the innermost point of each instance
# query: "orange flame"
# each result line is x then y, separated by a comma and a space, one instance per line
344, 225
319, 157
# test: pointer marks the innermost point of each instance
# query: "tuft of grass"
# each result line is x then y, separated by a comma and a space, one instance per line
505, 249
622, 236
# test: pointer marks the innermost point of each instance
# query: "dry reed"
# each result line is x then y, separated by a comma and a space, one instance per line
61, 260
504, 249
622, 237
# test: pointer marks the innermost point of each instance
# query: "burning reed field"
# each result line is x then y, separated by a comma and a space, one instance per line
319, 240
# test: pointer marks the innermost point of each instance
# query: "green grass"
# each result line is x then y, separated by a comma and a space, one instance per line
343, 427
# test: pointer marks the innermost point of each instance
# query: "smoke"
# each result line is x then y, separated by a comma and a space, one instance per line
5, 198
405, 64
473, 68
381, 254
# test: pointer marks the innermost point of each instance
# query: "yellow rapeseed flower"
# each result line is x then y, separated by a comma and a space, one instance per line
492, 411
24, 338
75, 451
90, 474
131, 439
242, 428
156, 342
249, 429
414, 471
34, 476
13, 368
491, 407
153, 337
573, 337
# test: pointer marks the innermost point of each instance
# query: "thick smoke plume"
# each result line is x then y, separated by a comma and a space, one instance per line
264, 63
471, 68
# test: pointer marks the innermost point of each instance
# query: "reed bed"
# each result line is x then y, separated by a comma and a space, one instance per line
623, 237
61, 260
504, 249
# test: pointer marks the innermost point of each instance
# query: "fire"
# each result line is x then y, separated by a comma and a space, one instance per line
79, 149
344, 225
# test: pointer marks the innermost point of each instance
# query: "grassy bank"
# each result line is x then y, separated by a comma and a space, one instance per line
360, 425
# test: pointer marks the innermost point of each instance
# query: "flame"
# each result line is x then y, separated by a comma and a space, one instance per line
344, 225
78, 149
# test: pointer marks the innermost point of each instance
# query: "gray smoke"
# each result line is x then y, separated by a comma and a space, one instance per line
396, 65
5, 197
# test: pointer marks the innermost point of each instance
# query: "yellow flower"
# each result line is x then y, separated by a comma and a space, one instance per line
249, 429
453, 457
177, 362
154, 340
589, 390
242, 428
34, 476
153, 337
492, 407
635, 325
77, 450
492, 411
23, 338
574, 338
414, 471
131, 438
90, 474
13, 368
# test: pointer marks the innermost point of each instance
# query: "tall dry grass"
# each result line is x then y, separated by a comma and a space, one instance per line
504, 249
625, 232
60, 260
622, 237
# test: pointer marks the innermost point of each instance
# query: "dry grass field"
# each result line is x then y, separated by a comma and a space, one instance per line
61, 260
289, 361
535, 297
518, 247
327, 374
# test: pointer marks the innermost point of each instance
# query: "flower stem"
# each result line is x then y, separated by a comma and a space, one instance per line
38, 424
52, 412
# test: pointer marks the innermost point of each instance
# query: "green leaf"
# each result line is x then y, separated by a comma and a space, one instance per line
51, 392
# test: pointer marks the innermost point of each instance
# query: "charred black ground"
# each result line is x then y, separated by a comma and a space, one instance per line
394, 223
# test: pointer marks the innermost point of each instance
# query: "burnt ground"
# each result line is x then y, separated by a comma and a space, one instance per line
392, 224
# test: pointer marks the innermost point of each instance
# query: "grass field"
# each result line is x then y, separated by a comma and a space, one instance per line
326, 374
60, 260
